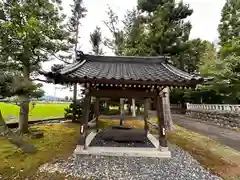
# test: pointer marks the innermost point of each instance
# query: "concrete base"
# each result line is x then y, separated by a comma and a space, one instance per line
157, 152
123, 151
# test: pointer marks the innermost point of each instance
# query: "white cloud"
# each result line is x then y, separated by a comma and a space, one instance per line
205, 20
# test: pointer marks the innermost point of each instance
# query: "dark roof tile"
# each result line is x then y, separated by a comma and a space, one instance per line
154, 69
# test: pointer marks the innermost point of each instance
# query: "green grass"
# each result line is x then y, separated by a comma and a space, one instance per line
59, 141
39, 112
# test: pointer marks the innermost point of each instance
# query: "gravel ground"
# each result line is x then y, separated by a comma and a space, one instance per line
180, 167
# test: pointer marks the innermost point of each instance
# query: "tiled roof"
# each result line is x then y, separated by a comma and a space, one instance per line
135, 69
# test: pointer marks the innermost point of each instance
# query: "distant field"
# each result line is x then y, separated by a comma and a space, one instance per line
39, 112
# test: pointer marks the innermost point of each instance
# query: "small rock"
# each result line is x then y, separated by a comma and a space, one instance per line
37, 135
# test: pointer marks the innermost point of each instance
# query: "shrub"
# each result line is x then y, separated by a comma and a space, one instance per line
78, 109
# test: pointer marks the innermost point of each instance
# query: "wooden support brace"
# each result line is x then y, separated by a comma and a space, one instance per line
161, 123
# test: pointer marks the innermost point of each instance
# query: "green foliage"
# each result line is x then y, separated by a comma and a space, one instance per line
189, 59
208, 60
32, 34
149, 5
135, 34
78, 12
96, 41
167, 30
227, 81
77, 108
116, 44
231, 47
229, 28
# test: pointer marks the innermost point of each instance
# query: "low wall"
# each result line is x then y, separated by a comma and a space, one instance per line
228, 119
177, 109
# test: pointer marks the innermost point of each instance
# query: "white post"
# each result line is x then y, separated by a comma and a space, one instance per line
133, 108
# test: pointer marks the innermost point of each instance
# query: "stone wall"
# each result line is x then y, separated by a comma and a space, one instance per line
178, 110
221, 118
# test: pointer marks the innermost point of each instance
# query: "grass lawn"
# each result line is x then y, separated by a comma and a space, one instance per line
39, 112
219, 159
59, 141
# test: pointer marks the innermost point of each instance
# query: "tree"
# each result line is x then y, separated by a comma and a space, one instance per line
78, 12
96, 41
167, 34
208, 59
116, 43
30, 34
229, 27
135, 34
227, 78
230, 47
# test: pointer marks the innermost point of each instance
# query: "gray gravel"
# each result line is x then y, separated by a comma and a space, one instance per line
180, 167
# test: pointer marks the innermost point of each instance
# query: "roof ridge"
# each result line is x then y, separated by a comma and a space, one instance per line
134, 59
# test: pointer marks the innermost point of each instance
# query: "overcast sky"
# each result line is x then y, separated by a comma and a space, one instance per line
205, 20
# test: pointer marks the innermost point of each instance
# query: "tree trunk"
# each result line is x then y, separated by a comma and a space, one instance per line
23, 117
14, 138
167, 110
24, 105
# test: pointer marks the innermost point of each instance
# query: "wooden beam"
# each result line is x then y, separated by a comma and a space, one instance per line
97, 113
146, 106
112, 93
84, 120
161, 123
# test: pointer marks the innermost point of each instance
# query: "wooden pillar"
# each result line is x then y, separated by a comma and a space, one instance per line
146, 106
74, 102
133, 108
97, 113
161, 122
84, 120
121, 110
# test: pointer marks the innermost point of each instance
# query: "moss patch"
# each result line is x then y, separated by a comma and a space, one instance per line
59, 141
220, 159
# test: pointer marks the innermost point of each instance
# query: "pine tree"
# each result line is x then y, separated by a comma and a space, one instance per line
30, 33
167, 34
78, 12
96, 41
116, 43
229, 28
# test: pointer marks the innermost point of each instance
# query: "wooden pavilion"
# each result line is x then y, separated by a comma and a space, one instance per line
124, 77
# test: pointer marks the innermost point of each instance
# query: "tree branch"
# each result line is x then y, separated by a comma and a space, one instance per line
57, 57
41, 80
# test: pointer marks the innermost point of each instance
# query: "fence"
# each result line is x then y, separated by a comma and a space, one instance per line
214, 107
226, 115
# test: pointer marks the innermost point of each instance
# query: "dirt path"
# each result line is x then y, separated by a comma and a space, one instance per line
222, 135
